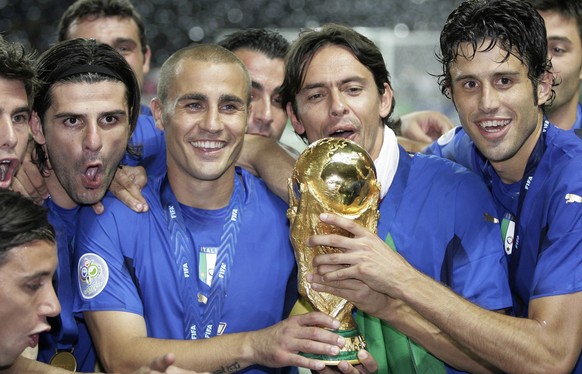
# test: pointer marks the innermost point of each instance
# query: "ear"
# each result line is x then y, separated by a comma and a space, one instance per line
36, 129
157, 109
544, 89
297, 126
386, 101
146, 60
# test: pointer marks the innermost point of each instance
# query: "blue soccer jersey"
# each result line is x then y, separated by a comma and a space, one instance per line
441, 218
68, 331
135, 269
548, 227
151, 143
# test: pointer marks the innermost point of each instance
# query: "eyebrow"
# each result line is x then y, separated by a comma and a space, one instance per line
73, 114
223, 98
560, 39
257, 85
473, 76
354, 78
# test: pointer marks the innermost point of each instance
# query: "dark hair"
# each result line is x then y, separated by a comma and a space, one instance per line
21, 221
311, 40
513, 25
568, 8
60, 63
17, 64
101, 8
270, 43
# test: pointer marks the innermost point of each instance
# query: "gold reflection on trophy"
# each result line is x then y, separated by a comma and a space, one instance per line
332, 175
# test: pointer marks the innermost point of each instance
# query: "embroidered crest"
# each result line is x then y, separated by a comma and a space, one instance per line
93, 274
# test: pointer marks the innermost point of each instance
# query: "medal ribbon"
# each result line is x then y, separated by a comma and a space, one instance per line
68, 332
201, 318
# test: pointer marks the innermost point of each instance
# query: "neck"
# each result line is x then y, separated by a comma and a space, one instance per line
513, 169
203, 194
58, 193
565, 116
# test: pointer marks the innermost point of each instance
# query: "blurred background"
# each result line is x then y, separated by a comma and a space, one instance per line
406, 31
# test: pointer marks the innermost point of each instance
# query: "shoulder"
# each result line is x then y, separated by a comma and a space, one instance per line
259, 195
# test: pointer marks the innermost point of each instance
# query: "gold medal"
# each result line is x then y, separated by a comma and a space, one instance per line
64, 360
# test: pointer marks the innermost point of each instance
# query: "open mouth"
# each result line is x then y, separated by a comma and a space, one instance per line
342, 134
208, 145
7, 170
92, 176
493, 126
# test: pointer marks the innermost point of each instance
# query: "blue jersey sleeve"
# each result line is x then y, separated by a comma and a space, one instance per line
454, 145
150, 141
103, 279
559, 262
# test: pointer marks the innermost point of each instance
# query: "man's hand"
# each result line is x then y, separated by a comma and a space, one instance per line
28, 180
367, 365
364, 257
127, 186
279, 345
424, 126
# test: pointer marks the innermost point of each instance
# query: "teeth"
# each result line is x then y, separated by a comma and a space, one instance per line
207, 144
486, 124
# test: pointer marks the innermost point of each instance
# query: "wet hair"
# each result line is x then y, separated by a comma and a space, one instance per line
18, 64
93, 9
571, 9
21, 221
201, 52
268, 42
82, 61
310, 41
512, 25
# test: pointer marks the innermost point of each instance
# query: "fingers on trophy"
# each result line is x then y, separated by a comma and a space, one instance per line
332, 175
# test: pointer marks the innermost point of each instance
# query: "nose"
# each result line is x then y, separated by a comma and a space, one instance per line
338, 107
8, 138
93, 140
50, 305
489, 101
261, 117
211, 121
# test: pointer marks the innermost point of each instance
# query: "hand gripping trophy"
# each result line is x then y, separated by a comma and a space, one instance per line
332, 175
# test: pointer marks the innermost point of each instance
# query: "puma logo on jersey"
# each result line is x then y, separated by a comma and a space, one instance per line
572, 198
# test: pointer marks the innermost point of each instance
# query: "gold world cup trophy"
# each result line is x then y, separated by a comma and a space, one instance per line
332, 175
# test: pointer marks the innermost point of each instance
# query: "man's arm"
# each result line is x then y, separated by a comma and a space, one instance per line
368, 250
122, 344
266, 158
548, 341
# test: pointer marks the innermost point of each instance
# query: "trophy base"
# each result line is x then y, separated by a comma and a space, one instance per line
349, 352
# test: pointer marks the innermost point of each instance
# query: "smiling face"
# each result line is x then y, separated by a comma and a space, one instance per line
267, 117
121, 34
85, 130
14, 119
339, 98
204, 117
565, 49
27, 297
496, 104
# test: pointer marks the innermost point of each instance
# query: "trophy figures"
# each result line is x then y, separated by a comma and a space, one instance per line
332, 175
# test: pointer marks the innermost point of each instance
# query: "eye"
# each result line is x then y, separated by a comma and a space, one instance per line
354, 90
72, 122
470, 85
20, 118
109, 120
